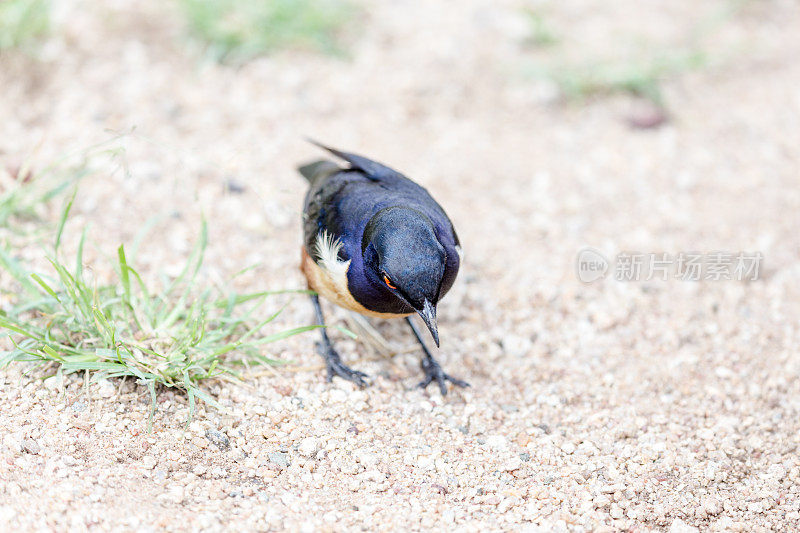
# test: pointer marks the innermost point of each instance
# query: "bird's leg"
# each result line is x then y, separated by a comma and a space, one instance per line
332, 359
432, 369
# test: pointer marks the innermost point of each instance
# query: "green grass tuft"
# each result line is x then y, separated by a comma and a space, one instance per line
23, 21
539, 32
24, 191
640, 78
178, 336
242, 29
642, 73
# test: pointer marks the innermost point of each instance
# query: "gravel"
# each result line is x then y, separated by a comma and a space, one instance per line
667, 406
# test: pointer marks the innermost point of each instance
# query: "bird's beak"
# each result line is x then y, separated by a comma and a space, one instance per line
428, 315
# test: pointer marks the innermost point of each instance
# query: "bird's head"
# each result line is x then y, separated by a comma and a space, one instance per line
403, 256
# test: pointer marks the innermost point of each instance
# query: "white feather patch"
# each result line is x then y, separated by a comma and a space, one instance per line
460, 253
328, 276
327, 249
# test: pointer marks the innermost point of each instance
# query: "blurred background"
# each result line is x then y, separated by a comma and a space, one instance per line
537, 108
541, 127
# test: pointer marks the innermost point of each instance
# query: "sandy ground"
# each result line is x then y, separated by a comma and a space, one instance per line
658, 405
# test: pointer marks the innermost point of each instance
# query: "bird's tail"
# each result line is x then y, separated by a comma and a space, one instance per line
318, 170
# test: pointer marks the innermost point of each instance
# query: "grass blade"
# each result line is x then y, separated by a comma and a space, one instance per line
124, 274
63, 221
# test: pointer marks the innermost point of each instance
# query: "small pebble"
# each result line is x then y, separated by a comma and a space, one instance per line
219, 439
31, 446
234, 186
308, 447
679, 526
279, 458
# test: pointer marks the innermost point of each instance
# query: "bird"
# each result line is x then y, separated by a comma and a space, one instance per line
377, 243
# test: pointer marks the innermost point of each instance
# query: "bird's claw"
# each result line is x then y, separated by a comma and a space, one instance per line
433, 371
337, 368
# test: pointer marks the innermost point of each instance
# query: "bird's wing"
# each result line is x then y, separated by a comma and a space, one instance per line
320, 212
372, 169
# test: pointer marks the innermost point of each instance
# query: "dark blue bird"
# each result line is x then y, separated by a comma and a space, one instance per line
376, 243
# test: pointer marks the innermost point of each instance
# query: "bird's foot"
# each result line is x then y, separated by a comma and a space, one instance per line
336, 368
433, 371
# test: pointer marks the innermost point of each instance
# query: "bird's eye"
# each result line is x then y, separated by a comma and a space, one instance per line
388, 282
